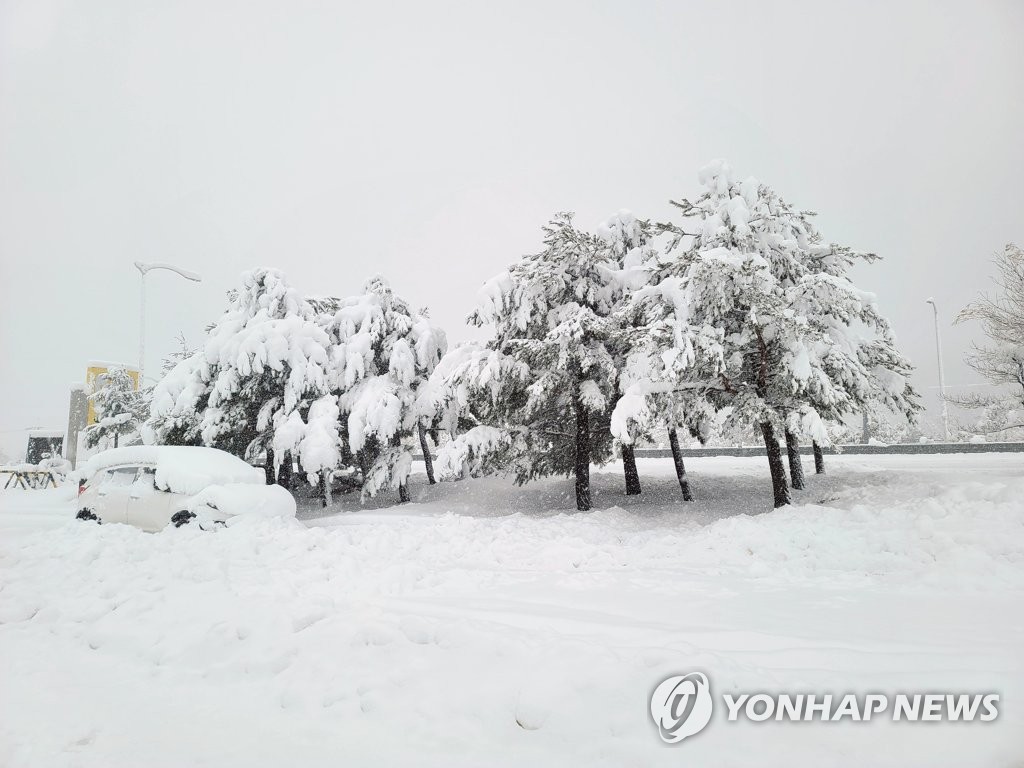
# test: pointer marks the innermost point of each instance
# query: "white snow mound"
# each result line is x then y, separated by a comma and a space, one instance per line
246, 500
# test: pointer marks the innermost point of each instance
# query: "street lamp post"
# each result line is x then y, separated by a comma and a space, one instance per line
143, 269
942, 377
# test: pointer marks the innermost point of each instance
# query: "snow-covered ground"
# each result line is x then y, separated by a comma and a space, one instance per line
484, 625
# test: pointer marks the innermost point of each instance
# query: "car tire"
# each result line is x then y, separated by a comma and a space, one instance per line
89, 515
178, 519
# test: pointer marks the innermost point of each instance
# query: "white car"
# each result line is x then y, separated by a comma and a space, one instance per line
151, 487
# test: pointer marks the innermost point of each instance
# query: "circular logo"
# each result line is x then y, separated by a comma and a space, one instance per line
681, 706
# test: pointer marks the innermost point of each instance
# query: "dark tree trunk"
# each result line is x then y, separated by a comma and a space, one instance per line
403, 486
779, 486
677, 457
796, 468
285, 471
268, 466
325, 489
428, 462
115, 439
819, 459
582, 465
629, 467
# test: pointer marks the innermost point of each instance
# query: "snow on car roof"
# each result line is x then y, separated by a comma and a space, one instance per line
181, 469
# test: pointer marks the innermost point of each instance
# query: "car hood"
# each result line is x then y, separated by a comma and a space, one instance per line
236, 499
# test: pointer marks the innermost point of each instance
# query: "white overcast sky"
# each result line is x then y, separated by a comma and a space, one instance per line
430, 141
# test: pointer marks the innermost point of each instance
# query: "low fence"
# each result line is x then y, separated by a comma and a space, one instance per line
900, 448
855, 450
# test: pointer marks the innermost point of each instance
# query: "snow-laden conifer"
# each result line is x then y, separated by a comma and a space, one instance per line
753, 314
260, 369
542, 388
381, 351
120, 410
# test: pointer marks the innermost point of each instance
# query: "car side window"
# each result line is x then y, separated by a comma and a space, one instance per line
146, 481
122, 476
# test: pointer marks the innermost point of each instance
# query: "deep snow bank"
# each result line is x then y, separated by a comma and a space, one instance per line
419, 637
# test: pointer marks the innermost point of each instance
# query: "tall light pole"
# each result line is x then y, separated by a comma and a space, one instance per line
942, 377
143, 269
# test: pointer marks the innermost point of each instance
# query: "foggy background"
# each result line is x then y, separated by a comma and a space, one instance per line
429, 142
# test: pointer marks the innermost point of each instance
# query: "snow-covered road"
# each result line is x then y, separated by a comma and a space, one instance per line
480, 626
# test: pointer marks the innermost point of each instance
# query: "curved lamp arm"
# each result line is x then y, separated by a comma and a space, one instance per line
144, 268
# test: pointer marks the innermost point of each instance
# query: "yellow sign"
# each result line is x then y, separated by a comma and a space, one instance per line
96, 377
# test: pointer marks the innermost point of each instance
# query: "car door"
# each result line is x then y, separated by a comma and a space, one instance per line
147, 505
112, 494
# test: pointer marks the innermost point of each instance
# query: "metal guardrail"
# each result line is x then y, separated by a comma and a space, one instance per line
855, 450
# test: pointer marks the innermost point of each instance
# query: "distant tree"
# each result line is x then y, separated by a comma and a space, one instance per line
120, 410
1000, 420
183, 352
1000, 362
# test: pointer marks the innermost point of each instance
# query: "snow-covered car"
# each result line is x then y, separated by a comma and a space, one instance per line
151, 487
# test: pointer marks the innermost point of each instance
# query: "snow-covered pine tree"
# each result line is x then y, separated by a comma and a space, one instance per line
854, 347
627, 239
120, 409
381, 353
176, 426
261, 369
756, 315
643, 406
650, 403
541, 389
431, 344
